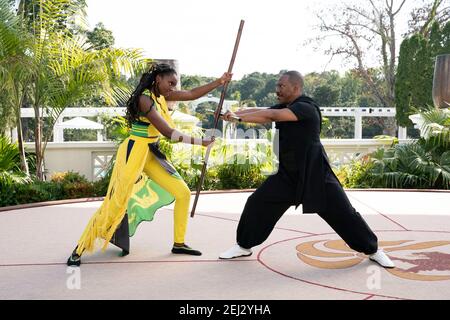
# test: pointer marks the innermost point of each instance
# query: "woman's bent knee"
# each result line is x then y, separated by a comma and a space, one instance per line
184, 194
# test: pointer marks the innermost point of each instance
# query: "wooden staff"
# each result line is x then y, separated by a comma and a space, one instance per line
216, 118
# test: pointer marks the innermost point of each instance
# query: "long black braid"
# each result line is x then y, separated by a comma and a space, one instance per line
148, 81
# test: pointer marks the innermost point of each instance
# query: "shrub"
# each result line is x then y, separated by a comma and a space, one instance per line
239, 176
75, 190
68, 177
37, 191
65, 185
357, 174
100, 187
191, 175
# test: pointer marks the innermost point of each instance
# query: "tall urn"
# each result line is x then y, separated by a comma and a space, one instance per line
441, 81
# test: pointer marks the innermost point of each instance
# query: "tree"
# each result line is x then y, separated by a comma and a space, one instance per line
72, 74
100, 37
329, 88
365, 30
339, 128
352, 90
205, 112
257, 87
415, 70
424, 17
6, 114
15, 69
250, 85
326, 95
65, 18
190, 82
61, 71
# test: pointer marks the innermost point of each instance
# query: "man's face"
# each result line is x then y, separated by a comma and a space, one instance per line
166, 83
286, 91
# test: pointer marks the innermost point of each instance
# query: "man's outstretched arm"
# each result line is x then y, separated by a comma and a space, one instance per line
263, 116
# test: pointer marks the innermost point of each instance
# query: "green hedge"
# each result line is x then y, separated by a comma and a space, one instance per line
72, 186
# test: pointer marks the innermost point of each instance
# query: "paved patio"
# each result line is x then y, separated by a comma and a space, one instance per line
302, 259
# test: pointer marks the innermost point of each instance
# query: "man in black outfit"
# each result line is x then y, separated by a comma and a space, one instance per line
304, 177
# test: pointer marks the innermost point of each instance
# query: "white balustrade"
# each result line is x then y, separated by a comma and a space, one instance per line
92, 159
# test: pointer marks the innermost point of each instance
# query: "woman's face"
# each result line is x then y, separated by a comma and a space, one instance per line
166, 83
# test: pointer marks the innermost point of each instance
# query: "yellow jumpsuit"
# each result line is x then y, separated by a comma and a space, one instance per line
129, 188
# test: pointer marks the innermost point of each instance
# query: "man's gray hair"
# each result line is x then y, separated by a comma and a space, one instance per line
295, 77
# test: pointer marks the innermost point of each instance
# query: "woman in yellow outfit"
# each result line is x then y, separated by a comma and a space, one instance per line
149, 118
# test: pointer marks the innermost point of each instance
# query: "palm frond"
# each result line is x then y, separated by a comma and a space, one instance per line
54, 13
9, 154
8, 178
10, 172
436, 127
445, 165
9, 25
435, 116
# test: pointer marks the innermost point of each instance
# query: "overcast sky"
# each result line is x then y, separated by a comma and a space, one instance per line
200, 34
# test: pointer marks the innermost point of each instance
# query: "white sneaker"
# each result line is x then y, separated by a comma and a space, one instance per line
235, 252
382, 259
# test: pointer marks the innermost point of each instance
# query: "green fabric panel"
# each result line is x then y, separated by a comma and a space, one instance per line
144, 203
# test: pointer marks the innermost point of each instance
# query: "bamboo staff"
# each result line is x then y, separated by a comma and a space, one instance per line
217, 115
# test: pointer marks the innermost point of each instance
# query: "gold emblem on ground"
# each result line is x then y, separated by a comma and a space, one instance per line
413, 263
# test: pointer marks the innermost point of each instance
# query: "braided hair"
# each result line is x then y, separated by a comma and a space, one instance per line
148, 81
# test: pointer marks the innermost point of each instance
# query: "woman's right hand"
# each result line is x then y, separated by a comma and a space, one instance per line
207, 141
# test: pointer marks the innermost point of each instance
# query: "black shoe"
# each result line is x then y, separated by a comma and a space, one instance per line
74, 259
185, 249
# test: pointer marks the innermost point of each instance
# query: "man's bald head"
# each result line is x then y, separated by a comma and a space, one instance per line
295, 78
289, 86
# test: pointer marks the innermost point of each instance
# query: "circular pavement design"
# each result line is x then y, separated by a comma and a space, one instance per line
422, 259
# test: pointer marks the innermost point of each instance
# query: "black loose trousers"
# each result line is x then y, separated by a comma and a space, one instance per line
304, 177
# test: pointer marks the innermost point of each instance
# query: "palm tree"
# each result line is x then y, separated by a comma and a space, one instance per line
60, 69
73, 74
15, 67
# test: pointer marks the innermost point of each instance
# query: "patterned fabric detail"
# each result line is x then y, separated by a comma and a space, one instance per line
129, 148
140, 129
162, 159
146, 199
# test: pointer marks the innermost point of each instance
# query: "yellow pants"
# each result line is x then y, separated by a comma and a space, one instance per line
177, 188
133, 158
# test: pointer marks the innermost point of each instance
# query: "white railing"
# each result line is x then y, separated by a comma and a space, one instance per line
343, 151
356, 113
91, 159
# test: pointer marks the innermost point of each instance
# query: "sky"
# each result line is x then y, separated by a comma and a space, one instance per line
200, 34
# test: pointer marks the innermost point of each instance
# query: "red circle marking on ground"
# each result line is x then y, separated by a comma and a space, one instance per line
368, 295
